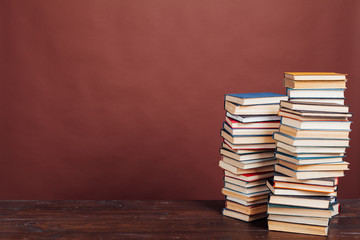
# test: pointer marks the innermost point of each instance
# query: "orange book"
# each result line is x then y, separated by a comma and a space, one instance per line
308, 76
316, 84
305, 187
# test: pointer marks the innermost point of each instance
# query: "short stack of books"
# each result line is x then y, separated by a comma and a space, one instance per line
247, 153
311, 144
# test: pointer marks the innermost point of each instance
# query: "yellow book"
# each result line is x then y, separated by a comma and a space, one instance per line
314, 84
306, 76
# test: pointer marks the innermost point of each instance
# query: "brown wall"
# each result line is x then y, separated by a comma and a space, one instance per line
124, 99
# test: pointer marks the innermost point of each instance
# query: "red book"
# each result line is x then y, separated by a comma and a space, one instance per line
249, 177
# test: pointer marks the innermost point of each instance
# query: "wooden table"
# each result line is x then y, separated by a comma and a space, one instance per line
148, 220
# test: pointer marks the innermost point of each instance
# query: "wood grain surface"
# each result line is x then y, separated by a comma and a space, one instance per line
148, 220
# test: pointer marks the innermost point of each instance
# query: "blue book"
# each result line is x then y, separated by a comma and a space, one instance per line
255, 98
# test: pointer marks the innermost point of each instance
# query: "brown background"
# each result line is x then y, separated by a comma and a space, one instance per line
124, 99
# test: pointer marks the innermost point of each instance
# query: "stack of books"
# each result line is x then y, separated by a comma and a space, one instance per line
247, 153
311, 144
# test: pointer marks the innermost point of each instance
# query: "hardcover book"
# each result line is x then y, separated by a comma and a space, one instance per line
259, 119
250, 146
298, 228
248, 210
316, 125
309, 76
321, 202
298, 211
249, 131
304, 175
328, 134
309, 106
314, 141
241, 216
236, 109
255, 98
319, 84
313, 114
247, 139
249, 177
278, 177
307, 160
315, 93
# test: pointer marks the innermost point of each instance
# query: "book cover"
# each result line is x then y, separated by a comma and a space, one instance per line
255, 98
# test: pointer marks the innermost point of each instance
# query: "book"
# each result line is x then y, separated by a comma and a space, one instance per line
236, 109
317, 221
297, 192
246, 139
315, 167
308, 155
253, 191
297, 228
312, 114
256, 146
254, 118
250, 177
245, 203
319, 84
243, 183
316, 125
278, 177
309, 106
304, 175
320, 150
236, 170
335, 209
236, 124
241, 216
242, 196
255, 98
299, 133
337, 101
307, 161
304, 187
242, 151
322, 202
278, 209
315, 93
246, 156
249, 131
283, 112
309, 76
256, 163
314, 142
248, 210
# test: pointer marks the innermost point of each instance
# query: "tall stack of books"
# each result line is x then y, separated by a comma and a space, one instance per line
311, 144
247, 153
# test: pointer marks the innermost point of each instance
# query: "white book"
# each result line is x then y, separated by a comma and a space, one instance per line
253, 118
315, 93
